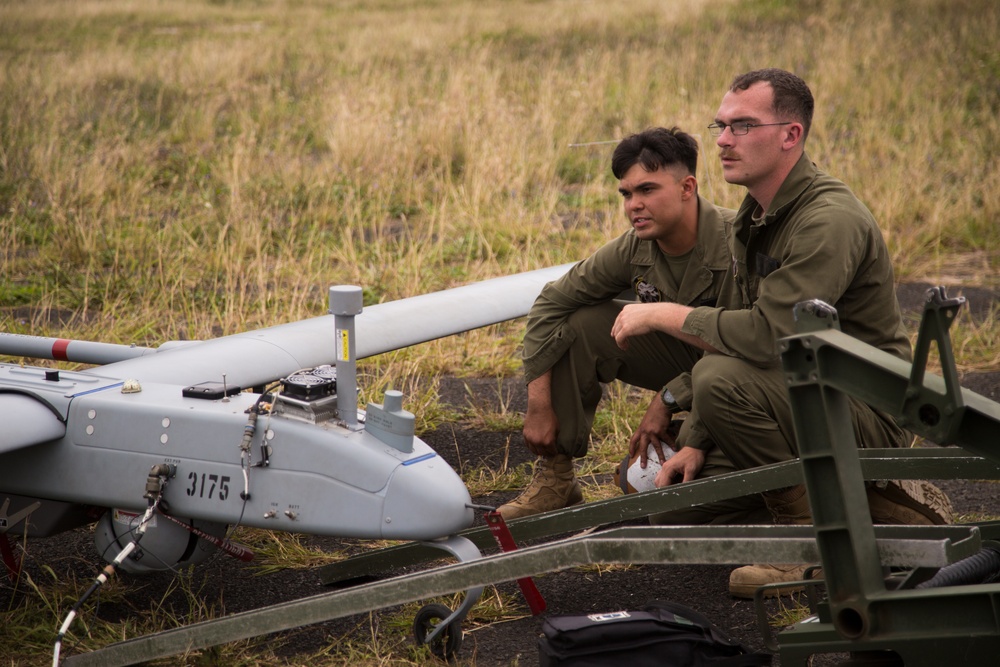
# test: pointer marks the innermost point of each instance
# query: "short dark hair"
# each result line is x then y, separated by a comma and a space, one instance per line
792, 96
655, 149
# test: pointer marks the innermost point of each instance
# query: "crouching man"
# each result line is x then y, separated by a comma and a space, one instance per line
675, 252
799, 235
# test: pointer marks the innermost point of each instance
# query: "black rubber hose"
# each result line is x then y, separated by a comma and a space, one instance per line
980, 568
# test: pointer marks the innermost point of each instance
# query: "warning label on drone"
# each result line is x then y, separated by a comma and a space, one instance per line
131, 519
343, 345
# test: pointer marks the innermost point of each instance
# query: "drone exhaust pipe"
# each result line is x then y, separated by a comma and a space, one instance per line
346, 302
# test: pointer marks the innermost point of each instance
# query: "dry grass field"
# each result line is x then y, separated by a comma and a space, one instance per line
187, 169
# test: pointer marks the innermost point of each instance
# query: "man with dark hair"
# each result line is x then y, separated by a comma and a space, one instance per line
799, 234
675, 252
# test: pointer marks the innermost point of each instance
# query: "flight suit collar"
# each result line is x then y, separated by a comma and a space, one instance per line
798, 180
703, 259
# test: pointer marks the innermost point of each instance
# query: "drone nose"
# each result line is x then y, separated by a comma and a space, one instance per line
425, 499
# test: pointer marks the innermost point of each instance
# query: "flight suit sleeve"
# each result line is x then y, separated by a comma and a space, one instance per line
599, 278
680, 388
819, 260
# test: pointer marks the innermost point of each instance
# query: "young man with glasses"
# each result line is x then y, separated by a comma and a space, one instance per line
675, 252
800, 234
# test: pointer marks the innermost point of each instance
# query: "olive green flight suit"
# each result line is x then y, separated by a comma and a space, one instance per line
817, 242
569, 332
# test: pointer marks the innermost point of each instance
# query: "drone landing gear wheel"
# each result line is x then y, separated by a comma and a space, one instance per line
447, 643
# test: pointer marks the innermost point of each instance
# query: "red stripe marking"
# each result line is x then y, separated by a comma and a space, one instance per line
59, 349
506, 541
12, 562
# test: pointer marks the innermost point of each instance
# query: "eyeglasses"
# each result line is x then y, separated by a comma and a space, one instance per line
738, 128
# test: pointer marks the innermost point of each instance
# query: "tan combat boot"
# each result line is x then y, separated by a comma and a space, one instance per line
910, 502
788, 507
900, 502
552, 487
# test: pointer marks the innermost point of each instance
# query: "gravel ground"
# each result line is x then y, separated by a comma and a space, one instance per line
232, 587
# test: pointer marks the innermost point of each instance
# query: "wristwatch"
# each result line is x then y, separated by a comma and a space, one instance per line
669, 401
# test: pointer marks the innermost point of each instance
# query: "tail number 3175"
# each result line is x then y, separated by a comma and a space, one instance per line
208, 486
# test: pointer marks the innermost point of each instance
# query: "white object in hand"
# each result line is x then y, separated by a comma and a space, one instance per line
644, 479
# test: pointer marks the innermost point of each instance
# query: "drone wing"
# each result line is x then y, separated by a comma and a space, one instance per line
257, 357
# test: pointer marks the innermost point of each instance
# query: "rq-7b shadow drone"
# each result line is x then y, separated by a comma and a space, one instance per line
189, 426
920, 596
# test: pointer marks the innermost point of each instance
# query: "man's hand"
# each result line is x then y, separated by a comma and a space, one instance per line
540, 428
540, 422
637, 319
681, 467
634, 320
654, 429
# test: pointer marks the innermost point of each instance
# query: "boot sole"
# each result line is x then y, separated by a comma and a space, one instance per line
575, 498
919, 496
747, 592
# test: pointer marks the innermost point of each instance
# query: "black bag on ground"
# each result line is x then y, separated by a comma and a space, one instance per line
662, 634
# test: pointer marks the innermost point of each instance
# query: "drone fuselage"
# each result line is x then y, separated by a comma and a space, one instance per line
317, 477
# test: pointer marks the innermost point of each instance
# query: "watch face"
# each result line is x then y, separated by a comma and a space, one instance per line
668, 399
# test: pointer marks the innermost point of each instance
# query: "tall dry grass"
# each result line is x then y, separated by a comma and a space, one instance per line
187, 169
175, 170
